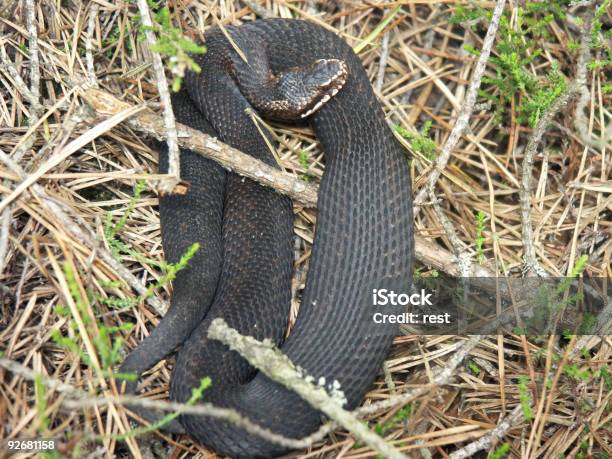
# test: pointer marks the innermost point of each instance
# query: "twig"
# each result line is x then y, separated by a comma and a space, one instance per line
5, 222
91, 26
33, 52
580, 121
441, 377
106, 104
277, 366
463, 257
7, 65
260, 11
382, 63
531, 264
467, 108
204, 409
81, 399
487, 441
170, 185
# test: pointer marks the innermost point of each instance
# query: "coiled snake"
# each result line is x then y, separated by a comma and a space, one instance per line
242, 272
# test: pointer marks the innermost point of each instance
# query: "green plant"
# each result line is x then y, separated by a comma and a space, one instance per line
111, 230
304, 159
106, 345
41, 404
554, 299
399, 417
525, 397
119, 249
105, 338
172, 44
474, 368
584, 448
576, 373
40, 395
537, 102
420, 143
501, 452
480, 239
606, 375
518, 46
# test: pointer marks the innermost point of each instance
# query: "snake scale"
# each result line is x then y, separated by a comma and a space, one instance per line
242, 272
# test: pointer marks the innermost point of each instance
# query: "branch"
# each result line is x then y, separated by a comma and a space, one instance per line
466, 109
171, 185
260, 11
232, 159
33, 54
80, 399
441, 377
462, 256
487, 441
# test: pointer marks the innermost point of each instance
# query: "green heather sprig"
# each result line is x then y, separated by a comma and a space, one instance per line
501, 452
517, 81
525, 397
174, 45
119, 249
106, 344
106, 339
399, 417
420, 143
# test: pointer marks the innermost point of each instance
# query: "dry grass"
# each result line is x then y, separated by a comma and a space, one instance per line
81, 170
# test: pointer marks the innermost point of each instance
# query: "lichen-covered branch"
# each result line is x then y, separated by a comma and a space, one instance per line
277, 366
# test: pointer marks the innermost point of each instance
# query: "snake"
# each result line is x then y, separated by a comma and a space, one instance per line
298, 72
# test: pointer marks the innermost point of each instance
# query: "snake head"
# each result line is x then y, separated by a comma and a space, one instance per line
322, 80
306, 89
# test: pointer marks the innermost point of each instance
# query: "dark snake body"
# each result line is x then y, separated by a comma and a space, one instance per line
242, 272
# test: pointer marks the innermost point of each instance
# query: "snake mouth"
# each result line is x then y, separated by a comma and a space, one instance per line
330, 86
